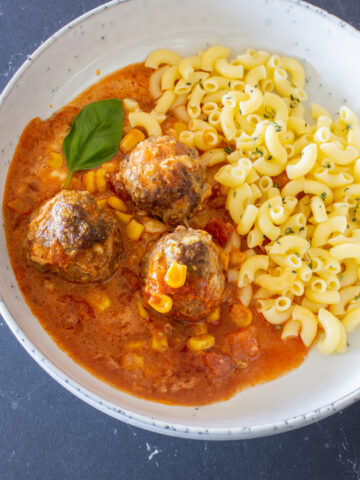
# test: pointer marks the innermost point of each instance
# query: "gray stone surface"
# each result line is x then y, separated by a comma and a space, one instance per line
46, 433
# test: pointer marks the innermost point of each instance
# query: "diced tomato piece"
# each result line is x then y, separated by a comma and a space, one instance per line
217, 199
243, 344
219, 230
220, 365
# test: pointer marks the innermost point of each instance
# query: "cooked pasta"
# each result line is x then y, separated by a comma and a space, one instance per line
293, 186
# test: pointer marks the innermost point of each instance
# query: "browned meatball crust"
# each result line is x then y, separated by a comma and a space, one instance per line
166, 178
205, 282
69, 235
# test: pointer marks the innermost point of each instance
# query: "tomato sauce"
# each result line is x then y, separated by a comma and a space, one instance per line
115, 344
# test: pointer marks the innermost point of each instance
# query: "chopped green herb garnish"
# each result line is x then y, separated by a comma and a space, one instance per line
341, 277
323, 196
269, 157
234, 194
311, 264
289, 231
276, 126
253, 148
188, 83
301, 229
229, 84
278, 327
294, 271
228, 149
294, 101
277, 185
356, 297
269, 112
327, 165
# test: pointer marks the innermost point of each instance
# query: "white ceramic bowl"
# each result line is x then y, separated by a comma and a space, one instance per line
120, 33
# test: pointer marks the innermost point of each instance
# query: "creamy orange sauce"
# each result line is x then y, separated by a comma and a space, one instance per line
104, 341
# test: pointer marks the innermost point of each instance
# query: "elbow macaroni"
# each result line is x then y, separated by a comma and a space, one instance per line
292, 187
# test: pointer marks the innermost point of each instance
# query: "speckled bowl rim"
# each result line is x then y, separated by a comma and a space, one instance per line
141, 421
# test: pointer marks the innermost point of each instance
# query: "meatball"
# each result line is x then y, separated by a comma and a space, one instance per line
70, 236
166, 178
204, 285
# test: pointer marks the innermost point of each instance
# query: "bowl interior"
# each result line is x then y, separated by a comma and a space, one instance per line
123, 33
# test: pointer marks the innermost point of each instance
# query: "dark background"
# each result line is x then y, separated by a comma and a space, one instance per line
47, 433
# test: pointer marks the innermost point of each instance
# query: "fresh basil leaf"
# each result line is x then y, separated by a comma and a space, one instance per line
94, 137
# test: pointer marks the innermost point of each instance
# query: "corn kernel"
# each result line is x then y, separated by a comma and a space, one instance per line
134, 345
134, 230
116, 203
176, 275
200, 342
132, 361
99, 300
56, 160
131, 139
142, 312
102, 203
123, 217
240, 315
214, 315
159, 342
100, 180
199, 329
162, 303
89, 179
236, 258
224, 258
